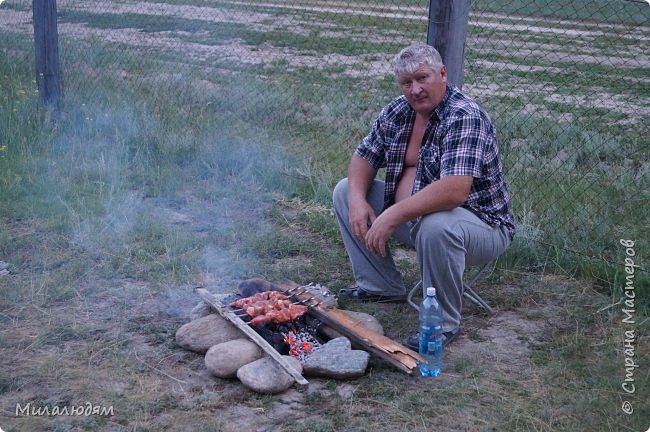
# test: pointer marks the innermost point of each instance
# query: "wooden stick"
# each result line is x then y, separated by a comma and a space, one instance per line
253, 335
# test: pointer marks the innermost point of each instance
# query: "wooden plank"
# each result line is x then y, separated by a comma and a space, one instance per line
376, 343
385, 348
253, 335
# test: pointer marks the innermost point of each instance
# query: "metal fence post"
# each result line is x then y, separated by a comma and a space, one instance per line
46, 51
446, 32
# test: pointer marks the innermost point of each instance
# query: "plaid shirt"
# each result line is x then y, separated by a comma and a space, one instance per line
460, 140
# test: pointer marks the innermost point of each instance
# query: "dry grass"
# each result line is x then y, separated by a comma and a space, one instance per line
111, 343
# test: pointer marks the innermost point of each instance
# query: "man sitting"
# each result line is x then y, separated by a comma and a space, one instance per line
444, 192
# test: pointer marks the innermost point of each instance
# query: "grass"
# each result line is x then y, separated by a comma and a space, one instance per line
199, 31
161, 170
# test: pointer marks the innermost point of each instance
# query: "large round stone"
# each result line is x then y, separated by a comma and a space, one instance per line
202, 333
224, 359
267, 376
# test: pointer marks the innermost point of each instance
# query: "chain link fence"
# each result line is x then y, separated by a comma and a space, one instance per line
567, 83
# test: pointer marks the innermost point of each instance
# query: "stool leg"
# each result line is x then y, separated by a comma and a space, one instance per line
409, 298
476, 299
472, 295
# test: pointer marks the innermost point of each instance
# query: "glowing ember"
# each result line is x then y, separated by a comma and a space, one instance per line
301, 344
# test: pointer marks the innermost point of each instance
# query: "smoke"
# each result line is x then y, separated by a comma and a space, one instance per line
151, 197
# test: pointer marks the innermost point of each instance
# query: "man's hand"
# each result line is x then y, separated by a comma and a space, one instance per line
379, 233
361, 217
361, 214
444, 194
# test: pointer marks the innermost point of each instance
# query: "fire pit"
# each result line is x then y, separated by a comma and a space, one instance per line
281, 319
297, 336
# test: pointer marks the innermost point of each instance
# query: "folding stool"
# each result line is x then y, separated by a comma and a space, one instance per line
467, 290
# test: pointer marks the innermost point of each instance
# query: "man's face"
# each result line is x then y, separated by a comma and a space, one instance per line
424, 89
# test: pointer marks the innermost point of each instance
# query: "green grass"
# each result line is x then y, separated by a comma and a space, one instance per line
157, 149
205, 32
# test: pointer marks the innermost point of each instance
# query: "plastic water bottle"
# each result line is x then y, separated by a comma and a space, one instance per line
430, 335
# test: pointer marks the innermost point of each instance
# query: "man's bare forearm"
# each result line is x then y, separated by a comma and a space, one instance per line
360, 177
444, 194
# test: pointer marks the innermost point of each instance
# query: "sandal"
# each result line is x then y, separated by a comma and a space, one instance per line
413, 342
356, 293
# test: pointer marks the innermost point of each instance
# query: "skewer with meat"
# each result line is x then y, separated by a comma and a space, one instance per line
258, 297
270, 307
291, 313
264, 307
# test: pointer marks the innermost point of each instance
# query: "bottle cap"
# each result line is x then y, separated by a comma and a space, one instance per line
431, 291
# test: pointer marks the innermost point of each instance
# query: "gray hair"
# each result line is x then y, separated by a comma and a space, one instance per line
411, 58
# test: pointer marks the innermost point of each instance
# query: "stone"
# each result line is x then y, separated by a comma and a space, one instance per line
223, 360
200, 310
202, 333
267, 376
365, 320
203, 309
253, 286
337, 359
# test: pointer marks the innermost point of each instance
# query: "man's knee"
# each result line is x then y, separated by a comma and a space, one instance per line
438, 227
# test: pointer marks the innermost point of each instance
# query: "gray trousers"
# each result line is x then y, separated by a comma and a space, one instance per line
445, 243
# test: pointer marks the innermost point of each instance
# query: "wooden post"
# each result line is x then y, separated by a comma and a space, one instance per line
446, 32
46, 51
